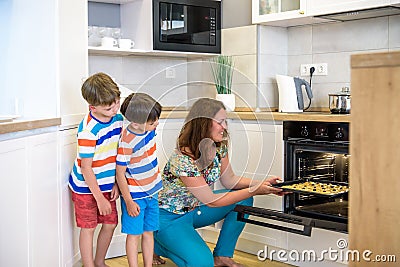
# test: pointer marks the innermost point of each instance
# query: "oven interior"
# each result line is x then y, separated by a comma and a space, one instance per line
317, 164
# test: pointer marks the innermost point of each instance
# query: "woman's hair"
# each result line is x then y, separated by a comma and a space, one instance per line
140, 108
197, 126
100, 90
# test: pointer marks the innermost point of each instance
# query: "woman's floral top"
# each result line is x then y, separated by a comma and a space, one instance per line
174, 196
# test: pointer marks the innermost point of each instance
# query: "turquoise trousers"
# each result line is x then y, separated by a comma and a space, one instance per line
178, 240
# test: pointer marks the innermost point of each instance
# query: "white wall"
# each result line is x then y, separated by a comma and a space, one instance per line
331, 43
28, 57
146, 74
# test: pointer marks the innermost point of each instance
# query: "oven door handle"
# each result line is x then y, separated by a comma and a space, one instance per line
277, 216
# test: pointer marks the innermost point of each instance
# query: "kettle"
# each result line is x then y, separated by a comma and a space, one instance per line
291, 93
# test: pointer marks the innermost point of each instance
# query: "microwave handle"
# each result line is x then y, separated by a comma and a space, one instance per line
277, 216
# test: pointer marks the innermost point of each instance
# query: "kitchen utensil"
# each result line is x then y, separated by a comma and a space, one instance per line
290, 93
340, 102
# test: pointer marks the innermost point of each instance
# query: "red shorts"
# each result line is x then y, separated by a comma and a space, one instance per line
86, 211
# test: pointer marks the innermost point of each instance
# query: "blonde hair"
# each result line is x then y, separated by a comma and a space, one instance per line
100, 90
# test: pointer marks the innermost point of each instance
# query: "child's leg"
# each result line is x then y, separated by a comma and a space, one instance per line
86, 246
103, 242
132, 243
147, 248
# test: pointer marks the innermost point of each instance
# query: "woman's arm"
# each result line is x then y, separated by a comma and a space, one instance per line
200, 189
231, 181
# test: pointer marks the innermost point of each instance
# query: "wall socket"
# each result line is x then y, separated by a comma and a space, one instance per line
321, 69
170, 73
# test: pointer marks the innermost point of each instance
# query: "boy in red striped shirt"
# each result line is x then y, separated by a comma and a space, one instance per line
92, 179
138, 175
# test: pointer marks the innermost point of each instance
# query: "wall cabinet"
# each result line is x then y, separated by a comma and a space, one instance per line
301, 12
135, 18
270, 11
320, 7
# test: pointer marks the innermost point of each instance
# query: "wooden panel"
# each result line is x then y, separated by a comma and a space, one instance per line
374, 169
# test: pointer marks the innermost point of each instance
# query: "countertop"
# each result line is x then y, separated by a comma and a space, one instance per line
24, 125
271, 116
28, 124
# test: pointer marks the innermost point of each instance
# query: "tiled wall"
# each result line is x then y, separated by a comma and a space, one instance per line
260, 52
331, 43
146, 74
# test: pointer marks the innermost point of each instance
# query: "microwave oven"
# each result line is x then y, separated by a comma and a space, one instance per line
187, 25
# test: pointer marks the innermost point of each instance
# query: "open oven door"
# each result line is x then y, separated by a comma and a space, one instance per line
307, 223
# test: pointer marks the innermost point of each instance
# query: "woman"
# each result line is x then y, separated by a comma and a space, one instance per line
187, 201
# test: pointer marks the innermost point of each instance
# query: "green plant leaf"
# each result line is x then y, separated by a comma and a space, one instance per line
222, 69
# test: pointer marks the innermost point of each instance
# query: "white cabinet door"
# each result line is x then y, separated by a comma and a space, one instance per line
14, 245
29, 228
167, 134
275, 10
43, 205
69, 232
256, 151
320, 7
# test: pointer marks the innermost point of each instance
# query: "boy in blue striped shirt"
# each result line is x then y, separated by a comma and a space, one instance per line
138, 175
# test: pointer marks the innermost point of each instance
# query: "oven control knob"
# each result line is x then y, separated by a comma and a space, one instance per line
304, 131
339, 133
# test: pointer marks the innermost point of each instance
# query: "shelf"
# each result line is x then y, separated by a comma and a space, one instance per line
139, 52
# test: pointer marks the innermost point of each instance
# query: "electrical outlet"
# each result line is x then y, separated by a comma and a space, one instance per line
321, 69
170, 73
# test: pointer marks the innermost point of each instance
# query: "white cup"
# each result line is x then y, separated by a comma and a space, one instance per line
108, 42
126, 43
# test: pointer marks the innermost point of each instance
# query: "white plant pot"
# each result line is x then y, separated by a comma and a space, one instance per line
228, 100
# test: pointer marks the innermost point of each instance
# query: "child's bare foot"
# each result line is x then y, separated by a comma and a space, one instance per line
103, 264
157, 260
226, 261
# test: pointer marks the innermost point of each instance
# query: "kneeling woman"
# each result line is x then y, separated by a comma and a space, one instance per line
187, 201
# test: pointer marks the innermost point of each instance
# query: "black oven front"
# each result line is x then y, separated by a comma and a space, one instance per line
187, 25
318, 152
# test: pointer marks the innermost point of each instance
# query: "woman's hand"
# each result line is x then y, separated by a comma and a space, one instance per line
265, 187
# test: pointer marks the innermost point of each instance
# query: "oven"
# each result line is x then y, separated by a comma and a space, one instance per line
315, 152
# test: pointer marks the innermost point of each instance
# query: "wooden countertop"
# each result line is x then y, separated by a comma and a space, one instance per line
270, 116
24, 125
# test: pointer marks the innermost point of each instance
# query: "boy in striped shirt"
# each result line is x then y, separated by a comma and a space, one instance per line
92, 179
138, 175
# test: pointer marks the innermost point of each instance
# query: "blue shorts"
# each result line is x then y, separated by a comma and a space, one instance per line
146, 221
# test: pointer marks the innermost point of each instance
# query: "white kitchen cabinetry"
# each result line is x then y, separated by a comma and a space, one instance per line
167, 135
278, 12
137, 25
320, 7
30, 234
256, 151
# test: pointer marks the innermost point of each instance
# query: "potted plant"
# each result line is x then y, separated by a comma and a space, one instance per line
222, 69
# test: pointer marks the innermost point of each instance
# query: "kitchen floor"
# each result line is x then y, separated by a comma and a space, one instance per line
246, 259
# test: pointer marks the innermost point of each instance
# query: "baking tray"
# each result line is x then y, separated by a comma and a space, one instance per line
319, 184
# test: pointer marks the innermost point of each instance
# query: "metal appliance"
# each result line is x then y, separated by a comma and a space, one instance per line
314, 151
187, 25
291, 93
